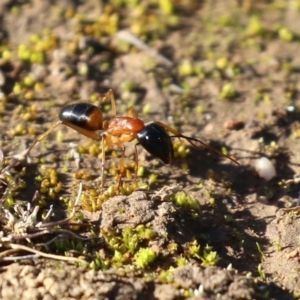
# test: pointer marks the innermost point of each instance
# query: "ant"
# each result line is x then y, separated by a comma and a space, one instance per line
87, 119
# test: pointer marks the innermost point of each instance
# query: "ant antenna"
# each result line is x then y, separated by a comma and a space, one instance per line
191, 140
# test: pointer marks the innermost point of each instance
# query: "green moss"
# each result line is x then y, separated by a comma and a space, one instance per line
222, 63
181, 150
181, 261
285, 34
255, 26
9, 202
185, 68
227, 91
127, 245
144, 257
184, 200
6, 55
146, 109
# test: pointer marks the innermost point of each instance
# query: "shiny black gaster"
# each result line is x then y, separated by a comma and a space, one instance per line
155, 139
77, 114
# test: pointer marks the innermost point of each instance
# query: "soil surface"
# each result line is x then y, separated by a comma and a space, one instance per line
225, 72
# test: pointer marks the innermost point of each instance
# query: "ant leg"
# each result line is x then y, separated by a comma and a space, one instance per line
122, 167
193, 141
131, 113
103, 159
136, 155
41, 137
110, 94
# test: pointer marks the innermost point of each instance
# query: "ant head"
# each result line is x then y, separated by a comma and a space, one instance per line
155, 139
82, 115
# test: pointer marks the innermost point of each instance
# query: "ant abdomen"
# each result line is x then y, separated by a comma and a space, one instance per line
82, 115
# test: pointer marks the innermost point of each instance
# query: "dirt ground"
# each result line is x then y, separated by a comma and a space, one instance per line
226, 72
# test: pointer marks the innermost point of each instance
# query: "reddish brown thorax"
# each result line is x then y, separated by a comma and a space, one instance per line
125, 126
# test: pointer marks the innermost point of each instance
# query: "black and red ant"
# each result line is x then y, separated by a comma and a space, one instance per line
87, 119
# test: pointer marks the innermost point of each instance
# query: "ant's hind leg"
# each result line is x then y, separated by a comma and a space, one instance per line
25, 154
103, 160
122, 168
136, 158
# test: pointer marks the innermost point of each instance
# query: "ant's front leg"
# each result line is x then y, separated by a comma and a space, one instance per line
110, 94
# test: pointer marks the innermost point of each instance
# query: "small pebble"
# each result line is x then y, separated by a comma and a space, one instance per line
234, 124
265, 168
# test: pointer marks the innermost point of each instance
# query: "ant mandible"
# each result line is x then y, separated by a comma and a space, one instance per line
87, 119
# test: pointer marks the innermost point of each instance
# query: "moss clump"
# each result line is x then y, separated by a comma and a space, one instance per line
227, 91
184, 200
285, 34
144, 257
127, 245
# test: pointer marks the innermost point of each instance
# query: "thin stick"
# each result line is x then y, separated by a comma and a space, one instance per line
15, 258
46, 255
135, 41
7, 252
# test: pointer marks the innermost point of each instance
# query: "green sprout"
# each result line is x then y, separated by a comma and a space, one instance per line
182, 261
194, 249
210, 258
99, 263
260, 250
261, 272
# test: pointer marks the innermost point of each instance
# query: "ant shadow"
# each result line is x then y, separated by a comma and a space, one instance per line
231, 239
